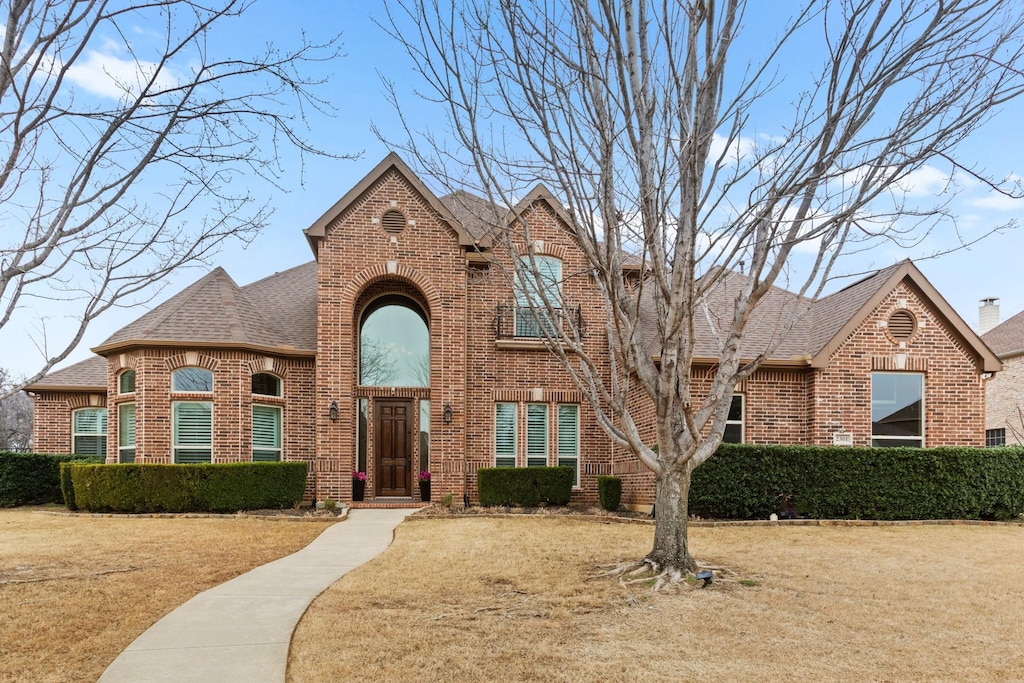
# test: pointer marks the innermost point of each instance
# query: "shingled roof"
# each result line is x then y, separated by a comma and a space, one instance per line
827, 323
277, 313
1007, 338
89, 374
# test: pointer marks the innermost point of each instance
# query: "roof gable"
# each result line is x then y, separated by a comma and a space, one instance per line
856, 302
318, 230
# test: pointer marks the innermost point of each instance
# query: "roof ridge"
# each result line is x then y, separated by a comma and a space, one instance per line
277, 274
182, 297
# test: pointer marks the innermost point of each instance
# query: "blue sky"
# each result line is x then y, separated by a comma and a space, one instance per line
988, 269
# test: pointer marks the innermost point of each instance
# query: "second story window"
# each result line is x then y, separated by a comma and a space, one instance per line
532, 319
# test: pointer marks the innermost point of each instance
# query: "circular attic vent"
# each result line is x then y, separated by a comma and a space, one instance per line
393, 222
901, 325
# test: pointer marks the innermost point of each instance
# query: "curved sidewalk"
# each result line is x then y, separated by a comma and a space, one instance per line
240, 630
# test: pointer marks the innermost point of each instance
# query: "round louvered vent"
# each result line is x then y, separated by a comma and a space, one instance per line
901, 325
393, 222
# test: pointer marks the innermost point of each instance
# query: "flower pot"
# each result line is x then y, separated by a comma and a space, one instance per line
425, 491
358, 490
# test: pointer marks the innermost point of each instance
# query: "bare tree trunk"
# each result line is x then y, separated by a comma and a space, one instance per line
671, 546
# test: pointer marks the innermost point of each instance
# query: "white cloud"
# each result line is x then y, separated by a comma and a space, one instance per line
737, 150
108, 75
997, 202
925, 181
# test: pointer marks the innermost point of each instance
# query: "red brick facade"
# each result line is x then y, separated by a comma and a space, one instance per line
428, 263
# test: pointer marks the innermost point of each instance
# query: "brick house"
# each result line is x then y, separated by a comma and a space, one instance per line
403, 347
1004, 402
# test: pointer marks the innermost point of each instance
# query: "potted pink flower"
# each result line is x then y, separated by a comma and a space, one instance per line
424, 479
358, 486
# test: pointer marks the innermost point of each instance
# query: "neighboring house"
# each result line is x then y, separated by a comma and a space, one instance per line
403, 347
1004, 393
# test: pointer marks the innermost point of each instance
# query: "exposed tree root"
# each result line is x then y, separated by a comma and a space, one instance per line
647, 571
69, 576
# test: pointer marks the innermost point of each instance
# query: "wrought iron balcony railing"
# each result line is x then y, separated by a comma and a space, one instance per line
513, 321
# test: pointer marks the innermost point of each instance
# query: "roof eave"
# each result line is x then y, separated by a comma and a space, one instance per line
127, 344
59, 388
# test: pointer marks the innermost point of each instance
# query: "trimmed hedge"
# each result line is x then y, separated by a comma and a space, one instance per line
609, 492
752, 481
225, 487
34, 478
524, 486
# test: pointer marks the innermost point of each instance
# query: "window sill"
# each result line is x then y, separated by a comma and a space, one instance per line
525, 344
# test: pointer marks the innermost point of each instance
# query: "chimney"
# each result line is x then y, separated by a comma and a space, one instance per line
988, 314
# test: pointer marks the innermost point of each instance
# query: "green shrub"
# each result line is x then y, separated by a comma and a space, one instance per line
752, 481
34, 478
609, 492
524, 486
225, 487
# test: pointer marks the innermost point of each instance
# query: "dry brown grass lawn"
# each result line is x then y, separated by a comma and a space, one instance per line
507, 599
67, 608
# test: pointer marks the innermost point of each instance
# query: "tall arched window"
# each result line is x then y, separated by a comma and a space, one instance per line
394, 344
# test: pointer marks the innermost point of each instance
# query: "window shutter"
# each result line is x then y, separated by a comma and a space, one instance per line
126, 432
536, 435
568, 439
266, 433
505, 434
193, 432
91, 421
126, 382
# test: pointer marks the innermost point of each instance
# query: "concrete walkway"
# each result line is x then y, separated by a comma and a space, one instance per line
240, 630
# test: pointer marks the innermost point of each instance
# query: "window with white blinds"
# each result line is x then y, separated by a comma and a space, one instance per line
266, 433
569, 439
505, 418
193, 432
89, 431
536, 435
126, 432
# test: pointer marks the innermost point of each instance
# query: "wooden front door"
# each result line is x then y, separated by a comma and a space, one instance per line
393, 447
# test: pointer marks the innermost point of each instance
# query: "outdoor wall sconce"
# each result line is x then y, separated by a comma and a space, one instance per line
332, 412
447, 416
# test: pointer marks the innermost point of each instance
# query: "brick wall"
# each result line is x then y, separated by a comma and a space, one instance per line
808, 406
1003, 400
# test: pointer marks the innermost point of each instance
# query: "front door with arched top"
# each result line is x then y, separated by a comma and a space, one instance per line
393, 423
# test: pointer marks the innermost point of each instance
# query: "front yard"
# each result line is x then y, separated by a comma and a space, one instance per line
74, 592
507, 599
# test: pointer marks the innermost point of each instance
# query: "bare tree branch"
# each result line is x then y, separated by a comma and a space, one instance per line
639, 117
118, 152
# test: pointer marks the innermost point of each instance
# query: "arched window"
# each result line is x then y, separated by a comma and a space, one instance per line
265, 384
192, 380
126, 382
394, 344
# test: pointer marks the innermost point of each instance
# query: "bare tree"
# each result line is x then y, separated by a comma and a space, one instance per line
644, 119
122, 127
15, 415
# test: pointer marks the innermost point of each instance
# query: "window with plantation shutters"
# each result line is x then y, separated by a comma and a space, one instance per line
266, 433
193, 432
126, 432
569, 439
536, 435
89, 431
505, 416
